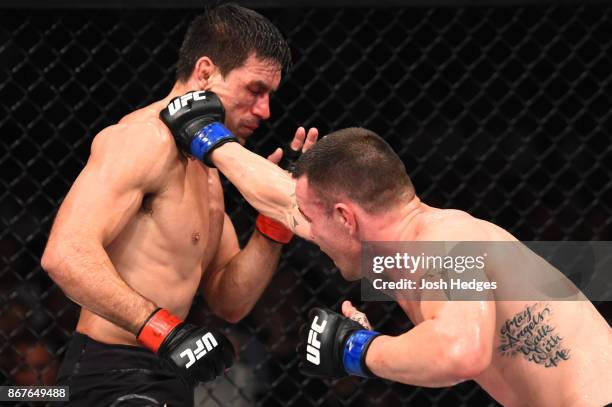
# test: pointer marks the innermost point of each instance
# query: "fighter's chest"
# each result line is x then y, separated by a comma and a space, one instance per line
190, 210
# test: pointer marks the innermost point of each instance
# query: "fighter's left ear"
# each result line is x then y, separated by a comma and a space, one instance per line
345, 215
202, 72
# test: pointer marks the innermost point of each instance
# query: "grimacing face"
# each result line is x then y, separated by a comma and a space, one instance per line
328, 232
245, 93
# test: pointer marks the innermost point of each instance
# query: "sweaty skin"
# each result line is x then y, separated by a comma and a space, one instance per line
473, 330
144, 227
451, 341
171, 237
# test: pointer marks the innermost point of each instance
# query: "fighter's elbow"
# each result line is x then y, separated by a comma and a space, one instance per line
232, 315
233, 318
51, 259
53, 262
468, 358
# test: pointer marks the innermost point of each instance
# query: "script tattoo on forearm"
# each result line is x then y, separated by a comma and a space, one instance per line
530, 333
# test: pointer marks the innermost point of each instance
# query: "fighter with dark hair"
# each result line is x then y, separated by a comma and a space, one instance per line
143, 229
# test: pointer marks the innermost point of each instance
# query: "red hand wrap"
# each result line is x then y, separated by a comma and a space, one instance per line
273, 229
156, 328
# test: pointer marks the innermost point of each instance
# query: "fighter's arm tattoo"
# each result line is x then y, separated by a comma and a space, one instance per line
530, 333
362, 319
294, 207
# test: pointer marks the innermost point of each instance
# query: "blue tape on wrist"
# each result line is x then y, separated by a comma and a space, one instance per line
354, 347
207, 137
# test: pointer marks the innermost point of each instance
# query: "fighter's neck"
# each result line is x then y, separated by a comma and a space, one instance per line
399, 224
180, 88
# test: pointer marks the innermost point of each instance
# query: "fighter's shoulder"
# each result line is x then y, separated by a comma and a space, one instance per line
450, 225
144, 114
146, 137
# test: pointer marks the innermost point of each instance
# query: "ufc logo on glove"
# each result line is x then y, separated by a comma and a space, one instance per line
177, 103
203, 346
313, 355
333, 345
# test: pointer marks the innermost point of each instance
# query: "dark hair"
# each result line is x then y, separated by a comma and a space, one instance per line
359, 164
228, 34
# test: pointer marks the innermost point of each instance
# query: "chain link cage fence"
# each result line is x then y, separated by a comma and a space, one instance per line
500, 111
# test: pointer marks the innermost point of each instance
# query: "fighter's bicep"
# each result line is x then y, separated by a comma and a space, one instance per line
97, 206
125, 163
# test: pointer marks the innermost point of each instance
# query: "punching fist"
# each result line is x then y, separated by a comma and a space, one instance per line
196, 354
333, 346
196, 123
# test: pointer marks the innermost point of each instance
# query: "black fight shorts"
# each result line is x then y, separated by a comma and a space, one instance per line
99, 374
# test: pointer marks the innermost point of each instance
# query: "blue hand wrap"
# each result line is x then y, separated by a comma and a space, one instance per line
207, 138
354, 350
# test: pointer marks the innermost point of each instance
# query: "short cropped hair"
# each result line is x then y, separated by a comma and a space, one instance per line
228, 34
358, 164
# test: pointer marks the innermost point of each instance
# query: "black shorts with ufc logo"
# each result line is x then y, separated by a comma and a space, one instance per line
99, 374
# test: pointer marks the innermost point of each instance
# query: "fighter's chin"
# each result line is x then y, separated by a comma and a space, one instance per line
349, 273
350, 276
242, 134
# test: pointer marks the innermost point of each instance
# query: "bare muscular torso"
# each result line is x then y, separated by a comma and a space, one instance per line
577, 339
164, 248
